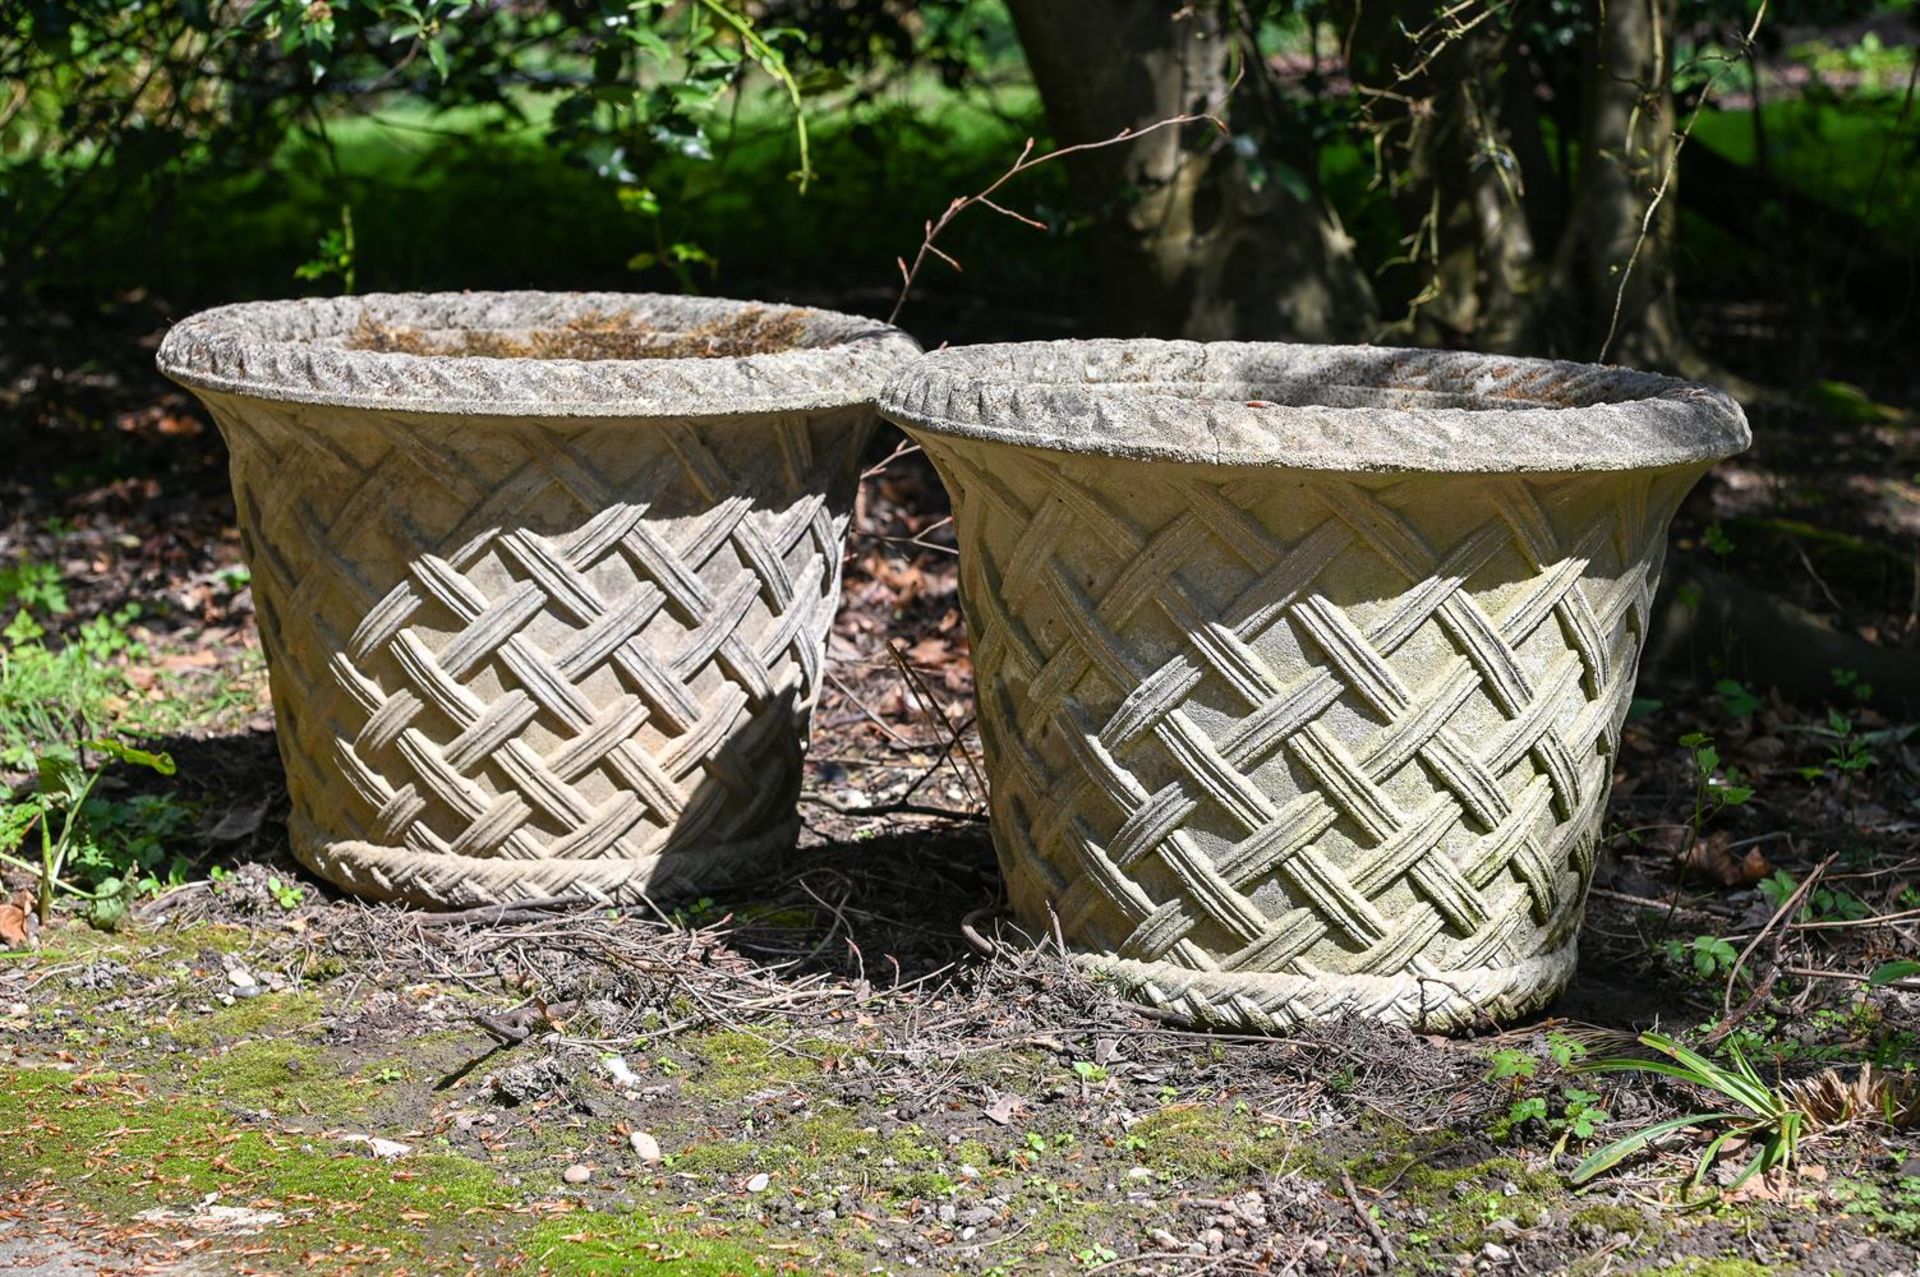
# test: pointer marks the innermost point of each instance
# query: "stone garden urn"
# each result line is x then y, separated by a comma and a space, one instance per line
1301, 670
544, 580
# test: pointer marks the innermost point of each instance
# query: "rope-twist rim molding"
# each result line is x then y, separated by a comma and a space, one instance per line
1301, 670
539, 627
298, 352
1364, 409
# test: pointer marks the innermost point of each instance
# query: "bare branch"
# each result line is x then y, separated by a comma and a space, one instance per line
1028, 160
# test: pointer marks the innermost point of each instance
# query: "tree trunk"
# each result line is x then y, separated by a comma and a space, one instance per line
1197, 236
1455, 117
1614, 267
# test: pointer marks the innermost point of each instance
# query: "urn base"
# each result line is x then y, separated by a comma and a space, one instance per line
1433, 1001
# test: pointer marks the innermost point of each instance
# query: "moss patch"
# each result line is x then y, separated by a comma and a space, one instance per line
1613, 1217
109, 1139
1697, 1267
1197, 1139
281, 1077
738, 1062
604, 1242
252, 1017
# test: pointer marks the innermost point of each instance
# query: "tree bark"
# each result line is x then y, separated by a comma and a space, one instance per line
1455, 117
1615, 264
1197, 236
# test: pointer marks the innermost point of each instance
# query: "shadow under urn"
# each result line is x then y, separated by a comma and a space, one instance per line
1302, 669
544, 579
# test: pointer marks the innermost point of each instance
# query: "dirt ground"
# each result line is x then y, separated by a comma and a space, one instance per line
857, 1066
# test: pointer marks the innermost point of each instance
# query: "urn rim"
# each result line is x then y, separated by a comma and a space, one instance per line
1346, 409
300, 351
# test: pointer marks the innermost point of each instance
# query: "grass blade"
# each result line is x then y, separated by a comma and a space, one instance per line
1620, 1149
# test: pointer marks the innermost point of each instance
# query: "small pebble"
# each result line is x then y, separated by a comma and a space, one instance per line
645, 1147
241, 978
758, 1184
577, 1174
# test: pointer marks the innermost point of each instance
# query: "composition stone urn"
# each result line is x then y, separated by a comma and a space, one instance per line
1302, 669
544, 580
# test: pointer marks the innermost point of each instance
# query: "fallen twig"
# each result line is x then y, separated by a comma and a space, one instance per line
1371, 1224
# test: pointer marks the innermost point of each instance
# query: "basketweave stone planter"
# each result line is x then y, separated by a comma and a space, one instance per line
544, 580
1301, 669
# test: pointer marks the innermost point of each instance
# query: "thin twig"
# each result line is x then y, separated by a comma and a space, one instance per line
1784, 913
1666, 182
1028, 161
923, 695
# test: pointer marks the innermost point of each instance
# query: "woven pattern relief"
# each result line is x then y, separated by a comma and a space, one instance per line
1278, 746
515, 657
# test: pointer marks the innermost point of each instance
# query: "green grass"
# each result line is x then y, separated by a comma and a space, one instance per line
1831, 152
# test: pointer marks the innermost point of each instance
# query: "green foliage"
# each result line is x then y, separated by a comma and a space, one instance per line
1511, 1065
334, 255
1709, 957
1762, 1118
1889, 972
54, 692
1735, 699
28, 586
1822, 904
1715, 787
1565, 1112
1893, 1209
288, 895
75, 858
119, 105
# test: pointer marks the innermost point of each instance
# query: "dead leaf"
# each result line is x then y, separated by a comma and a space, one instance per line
17, 923
1711, 859
929, 651
241, 822
1004, 1106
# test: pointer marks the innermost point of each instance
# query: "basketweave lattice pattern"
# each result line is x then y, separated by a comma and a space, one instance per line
1278, 745
512, 656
